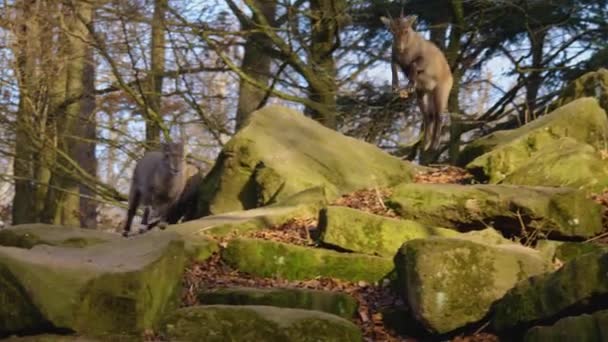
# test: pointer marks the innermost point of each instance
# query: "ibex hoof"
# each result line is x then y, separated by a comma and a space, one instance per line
142, 230
162, 225
125, 233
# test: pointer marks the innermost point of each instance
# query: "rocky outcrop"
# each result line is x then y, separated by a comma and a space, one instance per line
497, 155
280, 152
587, 327
273, 259
579, 286
357, 231
115, 288
559, 212
219, 323
449, 283
336, 303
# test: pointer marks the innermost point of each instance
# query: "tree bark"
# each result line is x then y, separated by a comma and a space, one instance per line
256, 64
86, 147
23, 168
155, 79
535, 79
325, 30
63, 201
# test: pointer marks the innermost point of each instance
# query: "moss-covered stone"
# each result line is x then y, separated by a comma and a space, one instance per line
274, 259
336, 303
594, 84
280, 152
579, 283
361, 232
566, 251
219, 323
199, 234
449, 283
72, 338
566, 163
120, 287
30, 235
557, 212
495, 156
587, 327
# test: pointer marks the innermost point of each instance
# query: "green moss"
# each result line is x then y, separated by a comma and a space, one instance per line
280, 152
562, 212
361, 232
567, 163
272, 259
504, 152
594, 83
449, 283
30, 235
263, 323
335, 303
587, 327
547, 296
120, 287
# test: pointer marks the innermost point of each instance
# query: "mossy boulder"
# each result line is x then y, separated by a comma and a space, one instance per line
450, 283
280, 152
557, 212
57, 338
30, 235
115, 288
336, 303
495, 156
565, 251
219, 323
566, 163
579, 284
587, 327
593, 83
273, 259
361, 232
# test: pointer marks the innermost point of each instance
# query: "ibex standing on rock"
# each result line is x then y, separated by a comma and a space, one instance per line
427, 70
158, 181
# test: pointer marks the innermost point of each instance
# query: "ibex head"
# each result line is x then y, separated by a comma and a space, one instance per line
402, 30
173, 153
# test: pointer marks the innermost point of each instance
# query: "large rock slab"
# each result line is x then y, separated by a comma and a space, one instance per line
565, 251
579, 284
557, 212
449, 283
566, 163
361, 232
500, 153
273, 259
219, 323
586, 327
30, 235
593, 83
115, 288
336, 303
280, 152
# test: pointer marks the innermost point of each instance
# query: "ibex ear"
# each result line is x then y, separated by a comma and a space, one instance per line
410, 20
386, 21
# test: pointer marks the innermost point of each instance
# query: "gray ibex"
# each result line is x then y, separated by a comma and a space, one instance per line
427, 70
158, 181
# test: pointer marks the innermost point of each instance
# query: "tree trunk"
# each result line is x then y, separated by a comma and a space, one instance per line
325, 26
535, 79
155, 79
23, 169
86, 148
63, 201
256, 64
454, 46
